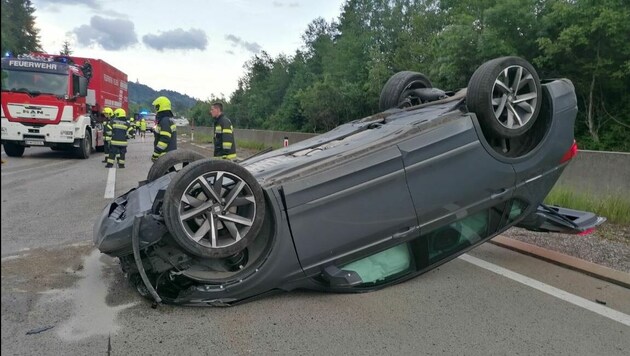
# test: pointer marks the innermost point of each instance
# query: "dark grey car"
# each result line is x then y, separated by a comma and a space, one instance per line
371, 203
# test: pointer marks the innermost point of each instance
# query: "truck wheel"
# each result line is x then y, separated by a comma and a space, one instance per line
13, 149
172, 161
85, 146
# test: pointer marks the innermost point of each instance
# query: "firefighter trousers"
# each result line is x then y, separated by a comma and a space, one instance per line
116, 152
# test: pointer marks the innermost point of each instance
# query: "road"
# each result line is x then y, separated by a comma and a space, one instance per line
75, 301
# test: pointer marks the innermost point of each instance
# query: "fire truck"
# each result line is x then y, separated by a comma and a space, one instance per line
56, 101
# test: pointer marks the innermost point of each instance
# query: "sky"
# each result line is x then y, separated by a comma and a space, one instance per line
195, 47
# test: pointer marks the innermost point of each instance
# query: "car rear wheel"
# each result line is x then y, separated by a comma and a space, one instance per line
505, 94
172, 161
13, 149
401, 90
214, 208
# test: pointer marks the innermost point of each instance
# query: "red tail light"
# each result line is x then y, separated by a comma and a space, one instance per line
570, 153
587, 231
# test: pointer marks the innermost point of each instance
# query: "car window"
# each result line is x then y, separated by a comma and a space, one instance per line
382, 266
455, 237
430, 248
516, 210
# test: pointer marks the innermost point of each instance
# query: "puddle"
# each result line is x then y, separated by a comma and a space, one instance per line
90, 313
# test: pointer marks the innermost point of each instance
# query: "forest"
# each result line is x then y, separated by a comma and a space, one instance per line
337, 73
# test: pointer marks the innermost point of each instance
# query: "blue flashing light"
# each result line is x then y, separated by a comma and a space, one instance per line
8, 54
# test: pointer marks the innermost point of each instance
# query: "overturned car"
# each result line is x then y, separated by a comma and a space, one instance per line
371, 203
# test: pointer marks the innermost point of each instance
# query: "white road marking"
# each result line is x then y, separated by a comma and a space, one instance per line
44, 165
545, 288
111, 183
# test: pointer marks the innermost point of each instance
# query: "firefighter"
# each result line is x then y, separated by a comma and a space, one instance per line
107, 132
166, 131
224, 145
121, 131
143, 127
138, 126
132, 124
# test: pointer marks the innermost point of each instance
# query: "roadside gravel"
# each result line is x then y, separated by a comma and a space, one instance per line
608, 246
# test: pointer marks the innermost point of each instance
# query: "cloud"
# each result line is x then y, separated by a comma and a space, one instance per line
249, 46
111, 34
282, 4
177, 39
93, 4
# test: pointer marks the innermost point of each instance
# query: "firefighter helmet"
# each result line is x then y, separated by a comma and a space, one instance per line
108, 112
162, 104
120, 113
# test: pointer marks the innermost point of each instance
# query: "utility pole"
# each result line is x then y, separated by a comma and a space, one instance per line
192, 130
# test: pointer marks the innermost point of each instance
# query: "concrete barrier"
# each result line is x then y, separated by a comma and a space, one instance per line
595, 173
269, 138
598, 173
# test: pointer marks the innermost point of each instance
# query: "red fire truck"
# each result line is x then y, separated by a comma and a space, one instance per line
56, 101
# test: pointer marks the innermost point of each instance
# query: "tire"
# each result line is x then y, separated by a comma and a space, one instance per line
505, 94
200, 197
85, 146
398, 91
172, 161
13, 149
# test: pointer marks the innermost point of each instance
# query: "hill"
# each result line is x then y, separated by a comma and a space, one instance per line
143, 95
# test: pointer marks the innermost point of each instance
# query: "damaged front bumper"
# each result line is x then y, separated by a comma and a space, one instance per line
113, 229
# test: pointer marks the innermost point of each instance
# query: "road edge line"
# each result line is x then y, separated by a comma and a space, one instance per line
614, 276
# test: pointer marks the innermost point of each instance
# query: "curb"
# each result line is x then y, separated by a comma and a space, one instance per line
604, 273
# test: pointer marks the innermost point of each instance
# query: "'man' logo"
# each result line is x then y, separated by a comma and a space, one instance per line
33, 112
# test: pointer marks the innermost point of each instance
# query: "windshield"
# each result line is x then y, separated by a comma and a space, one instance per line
34, 82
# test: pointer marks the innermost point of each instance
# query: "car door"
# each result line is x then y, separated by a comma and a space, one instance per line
451, 174
345, 211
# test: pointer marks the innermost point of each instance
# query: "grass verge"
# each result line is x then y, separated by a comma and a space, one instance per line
615, 208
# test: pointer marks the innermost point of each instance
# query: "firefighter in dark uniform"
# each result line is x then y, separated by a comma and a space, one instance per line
165, 129
224, 144
121, 131
107, 133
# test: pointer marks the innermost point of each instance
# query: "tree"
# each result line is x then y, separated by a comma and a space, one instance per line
587, 41
471, 32
65, 48
19, 35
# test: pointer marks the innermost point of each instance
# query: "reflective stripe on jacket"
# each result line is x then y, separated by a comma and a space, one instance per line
107, 131
224, 144
166, 138
121, 130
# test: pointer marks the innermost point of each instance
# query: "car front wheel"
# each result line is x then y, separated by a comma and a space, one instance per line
214, 208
